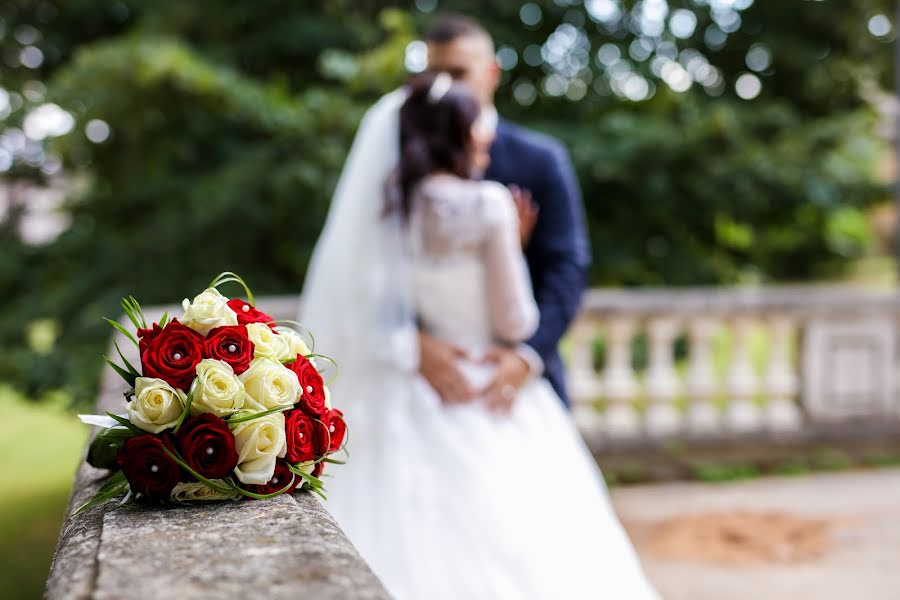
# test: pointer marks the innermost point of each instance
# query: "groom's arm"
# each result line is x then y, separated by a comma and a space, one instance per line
559, 251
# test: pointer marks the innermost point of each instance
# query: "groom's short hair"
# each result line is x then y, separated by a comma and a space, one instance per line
452, 27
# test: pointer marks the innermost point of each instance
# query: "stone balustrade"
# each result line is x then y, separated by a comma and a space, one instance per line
668, 363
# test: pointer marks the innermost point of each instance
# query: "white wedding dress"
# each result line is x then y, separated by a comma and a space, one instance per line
451, 502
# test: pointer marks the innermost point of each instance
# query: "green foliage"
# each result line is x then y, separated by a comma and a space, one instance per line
230, 121
41, 448
722, 472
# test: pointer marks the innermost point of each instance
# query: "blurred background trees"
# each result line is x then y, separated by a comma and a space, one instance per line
717, 141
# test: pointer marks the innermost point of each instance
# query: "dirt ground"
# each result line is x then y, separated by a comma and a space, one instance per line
816, 537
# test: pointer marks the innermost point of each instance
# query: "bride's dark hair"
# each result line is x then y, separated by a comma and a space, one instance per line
435, 131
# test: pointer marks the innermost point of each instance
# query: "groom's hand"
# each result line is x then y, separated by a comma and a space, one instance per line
510, 375
528, 212
439, 365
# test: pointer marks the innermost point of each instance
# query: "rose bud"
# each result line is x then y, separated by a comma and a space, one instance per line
312, 387
280, 478
231, 345
207, 446
171, 353
337, 428
300, 430
248, 314
147, 467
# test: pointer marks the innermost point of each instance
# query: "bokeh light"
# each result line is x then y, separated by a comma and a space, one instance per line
758, 57
530, 14
416, 58
47, 120
97, 131
748, 86
880, 26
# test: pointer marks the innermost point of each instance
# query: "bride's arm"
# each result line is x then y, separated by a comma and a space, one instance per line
512, 309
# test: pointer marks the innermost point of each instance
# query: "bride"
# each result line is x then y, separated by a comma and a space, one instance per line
449, 501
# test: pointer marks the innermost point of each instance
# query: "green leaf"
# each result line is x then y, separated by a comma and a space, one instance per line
164, 319
123, 331
116, 486
130, 314
139, 311
327, 359
314, 482
125, 423
187, 406
134, 311
209, 483
228, 277
102, 451
128, 365
249, 417
130, 378
244, 492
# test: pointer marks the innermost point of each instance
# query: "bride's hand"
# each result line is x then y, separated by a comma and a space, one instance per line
510, 375
439, 365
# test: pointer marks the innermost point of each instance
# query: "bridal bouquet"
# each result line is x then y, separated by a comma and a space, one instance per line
227, 403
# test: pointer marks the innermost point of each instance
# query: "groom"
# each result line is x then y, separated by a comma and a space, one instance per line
538, 172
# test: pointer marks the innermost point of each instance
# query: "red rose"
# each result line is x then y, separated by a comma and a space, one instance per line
171, 353
312, 387
231, 345
336, 430
248, 314
280, 479
147, 467
207, 446
300, 430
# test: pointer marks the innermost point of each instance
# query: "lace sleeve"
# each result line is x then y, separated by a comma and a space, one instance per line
513, 311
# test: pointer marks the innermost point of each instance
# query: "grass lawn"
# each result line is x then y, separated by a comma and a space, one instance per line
40, 447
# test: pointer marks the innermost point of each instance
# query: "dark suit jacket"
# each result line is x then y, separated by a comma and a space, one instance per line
558, 252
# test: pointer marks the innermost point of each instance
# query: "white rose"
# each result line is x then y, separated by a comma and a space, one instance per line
270, 384
217, 389
193, 491
208, 310
156, 405
327, 398
259, 442
267, 343
294, 344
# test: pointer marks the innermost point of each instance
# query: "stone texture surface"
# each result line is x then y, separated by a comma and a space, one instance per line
287, 547
283, 548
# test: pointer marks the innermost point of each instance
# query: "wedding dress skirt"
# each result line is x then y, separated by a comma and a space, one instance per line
454, 503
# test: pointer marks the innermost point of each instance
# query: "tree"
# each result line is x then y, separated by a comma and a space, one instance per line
219, 129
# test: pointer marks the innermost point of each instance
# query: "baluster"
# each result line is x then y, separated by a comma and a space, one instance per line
702, 417
743, 383
661, 382
781, 382
584, 382
619, 382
